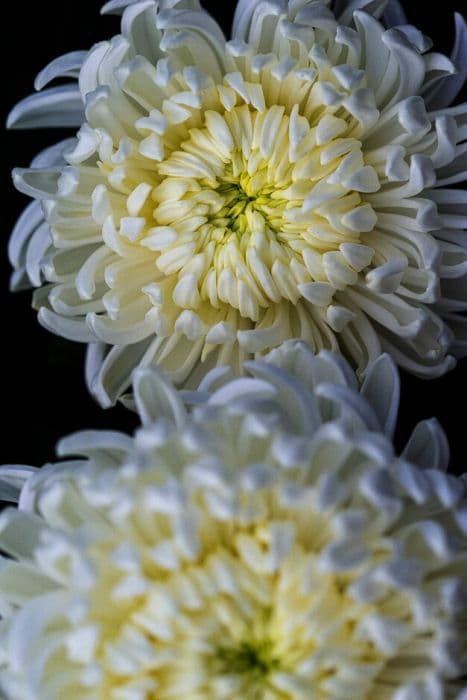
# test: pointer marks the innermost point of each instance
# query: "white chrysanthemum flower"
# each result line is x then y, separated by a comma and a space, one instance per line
223, 197
268, 546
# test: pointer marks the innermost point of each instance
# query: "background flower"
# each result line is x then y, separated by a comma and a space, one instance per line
202, 238
268, 544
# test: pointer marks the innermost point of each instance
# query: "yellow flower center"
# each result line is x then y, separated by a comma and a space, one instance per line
246, 213
229, 611
255, 661
240, 202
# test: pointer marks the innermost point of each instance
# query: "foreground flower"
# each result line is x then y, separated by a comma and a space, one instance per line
225, 197
267, 546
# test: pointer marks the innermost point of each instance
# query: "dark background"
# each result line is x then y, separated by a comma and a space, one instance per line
44, 396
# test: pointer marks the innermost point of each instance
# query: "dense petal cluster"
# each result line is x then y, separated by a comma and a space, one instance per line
240, 549
224, 197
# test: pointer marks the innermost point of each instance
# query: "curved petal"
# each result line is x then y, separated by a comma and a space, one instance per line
28, 222
40, 183
381, 387
66, 66
260, 11
448, 89
428, 368
108, 372
375, 8
156, 398
53, 155
349, 401
140, 28
292, 395
203, 36
38, 245
60, 107
12, 479
116, 7
107, 446
428, 446
72, 329
394, 14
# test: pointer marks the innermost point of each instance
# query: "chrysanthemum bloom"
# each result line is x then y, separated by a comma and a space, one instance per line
268, 546
223, 197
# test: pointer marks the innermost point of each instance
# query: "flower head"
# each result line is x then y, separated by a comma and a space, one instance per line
224, 197
268, 544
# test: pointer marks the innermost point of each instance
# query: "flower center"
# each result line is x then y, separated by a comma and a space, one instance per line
238, 205
246, 195
247, 213
255, 661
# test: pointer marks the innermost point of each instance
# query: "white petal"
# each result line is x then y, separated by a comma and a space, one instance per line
72, 329
428, 446
38, 183
104, 445
12, 480
108, 372
38, 245
53, 155
447, 90
30, 219
372, 7
67, 66
381, 388
116, 7
394, 14
156, 398
55, 107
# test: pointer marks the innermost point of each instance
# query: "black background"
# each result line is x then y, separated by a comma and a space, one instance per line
43, 393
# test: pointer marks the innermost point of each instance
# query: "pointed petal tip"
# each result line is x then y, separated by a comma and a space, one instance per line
115, 7
142, 374
459, 18
156, 397
14, 116
84, 442
381, 387
56, 107
99, 394
387, 360
71, 329
17, 177
10, 119
428, 446
95, 357
65, 66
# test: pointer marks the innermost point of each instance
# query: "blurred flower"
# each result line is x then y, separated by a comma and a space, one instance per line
265, 544
223, 197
